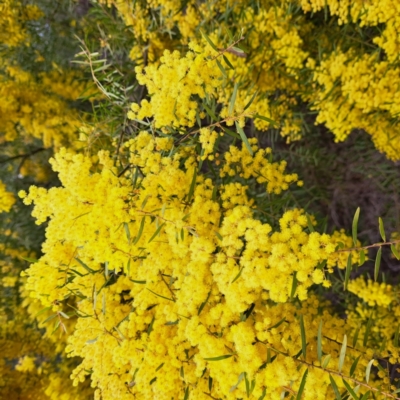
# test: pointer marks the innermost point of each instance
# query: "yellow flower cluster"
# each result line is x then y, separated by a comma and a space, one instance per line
7, 199
14, 15
359, 93
373, 293
38, 108
239, 162
168, 278
172, 87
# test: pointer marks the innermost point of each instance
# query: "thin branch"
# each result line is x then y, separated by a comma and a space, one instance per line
23, 155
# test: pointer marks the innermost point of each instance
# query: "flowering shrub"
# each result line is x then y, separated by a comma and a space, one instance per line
178, 261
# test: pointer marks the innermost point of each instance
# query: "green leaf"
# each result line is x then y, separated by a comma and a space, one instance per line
335, 388
272, 122
350, 390
156, 232
263, 394
43, 310
219, 358
250, 101
319, 342
159, 295
238, 275
382, 229
355, 225
247, 383
280, 322
210, 112
326, 360
139, 282
218, 235
64, 315
342, 353
244, 138
302, 385
354, 366
233, 100
241, 376
159, 367
192, 185
94, 296
222, 69
103, 306
303, 336
202, 305
91, 341
309, 224
366, 395
49, 318
209, 40
127, 232
348, 271
150, 327
141, 227
228, 63
92, 271
377, 263
31, 260
368, 370
145, 201
186, 393
394, 251
367, 331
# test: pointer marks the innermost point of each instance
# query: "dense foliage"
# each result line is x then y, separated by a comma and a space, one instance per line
179, 248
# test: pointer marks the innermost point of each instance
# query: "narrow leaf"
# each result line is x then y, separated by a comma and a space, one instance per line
362, 258
326, 360
319, 342
303, 337
159, 295
209, 41
219, 358
348, 271
272, 122
250, 101
309, 224
237, 276
244, 138
92, 271
222, 69
141, 227
394, 251
127, 232
382, 229
233, 99
228, 63
202, 305
302, 385
354, 366
355, 226
156, 232
335, 388
377, 263
350, 390
368, 370
192, 185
